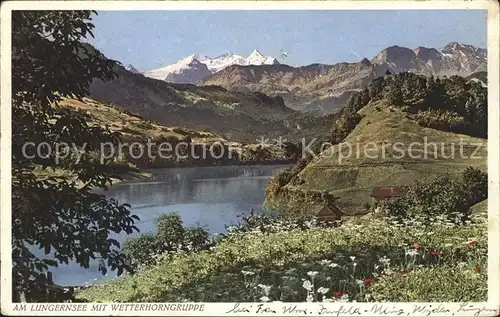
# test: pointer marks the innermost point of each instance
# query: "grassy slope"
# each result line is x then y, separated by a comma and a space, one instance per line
133, 126
353, 178
237, 116
216, 275
481, 207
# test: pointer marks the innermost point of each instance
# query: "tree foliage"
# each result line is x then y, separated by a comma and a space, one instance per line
451, 104
171, 237
441, 196
64, 217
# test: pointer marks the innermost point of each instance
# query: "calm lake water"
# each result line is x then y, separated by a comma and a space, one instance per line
210, 197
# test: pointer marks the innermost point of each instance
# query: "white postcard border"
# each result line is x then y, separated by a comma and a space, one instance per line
217, 309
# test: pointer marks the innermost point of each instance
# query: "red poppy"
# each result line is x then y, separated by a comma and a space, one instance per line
417, 245
473, 243
367, 281
435, 252
337, 294
403, 272
477, 269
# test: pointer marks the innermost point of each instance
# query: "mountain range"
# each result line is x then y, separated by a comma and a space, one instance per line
243, 102
195, 67
238, 116
325, 88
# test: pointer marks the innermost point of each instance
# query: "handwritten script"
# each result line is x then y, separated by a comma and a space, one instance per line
354, 309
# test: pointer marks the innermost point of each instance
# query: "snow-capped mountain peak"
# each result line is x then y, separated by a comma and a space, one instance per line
255, 53
186, 70
196, 56
224, 55
131, 68
195, 67
256, 58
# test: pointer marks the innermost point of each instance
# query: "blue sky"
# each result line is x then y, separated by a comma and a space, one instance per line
151, 39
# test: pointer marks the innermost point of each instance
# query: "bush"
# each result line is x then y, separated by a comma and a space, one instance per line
171, 237
475, 185
441, 196
141, 249
196, 239
179, 131
170, 232
146, 125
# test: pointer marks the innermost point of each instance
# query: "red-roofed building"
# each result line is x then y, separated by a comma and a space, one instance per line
387, 192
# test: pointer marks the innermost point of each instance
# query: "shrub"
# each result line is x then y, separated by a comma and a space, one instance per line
179, 131
196, 239
441, 196
171, 237
141, 249
145, 125
475, 185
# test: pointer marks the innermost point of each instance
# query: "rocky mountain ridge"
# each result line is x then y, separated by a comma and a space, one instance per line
324, 88
195, 67
233, 115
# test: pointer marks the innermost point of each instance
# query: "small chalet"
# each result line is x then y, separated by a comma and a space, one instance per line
387, 192
329, 213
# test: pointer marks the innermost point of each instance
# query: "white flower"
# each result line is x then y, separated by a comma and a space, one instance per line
385, 260
354, 264
352, 258
307, 285
312, 273
388, 271
309, 298
333, 265
448, 245
412, 252
265, 288
264, 299
245, 273
325, 262
344, 298
323, 290
359, 282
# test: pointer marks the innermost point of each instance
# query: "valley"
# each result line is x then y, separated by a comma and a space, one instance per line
319, 88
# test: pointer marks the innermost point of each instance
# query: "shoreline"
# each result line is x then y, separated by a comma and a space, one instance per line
145, 173
229, 163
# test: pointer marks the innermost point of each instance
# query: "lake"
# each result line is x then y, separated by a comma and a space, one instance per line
210, 197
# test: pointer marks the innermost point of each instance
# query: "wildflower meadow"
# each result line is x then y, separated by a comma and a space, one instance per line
372, 258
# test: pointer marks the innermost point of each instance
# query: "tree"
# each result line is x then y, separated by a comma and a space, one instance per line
474, 186
61, 215
292, 150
